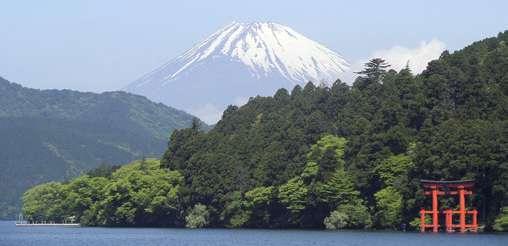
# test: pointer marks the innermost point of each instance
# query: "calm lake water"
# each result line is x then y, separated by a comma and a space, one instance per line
47, 236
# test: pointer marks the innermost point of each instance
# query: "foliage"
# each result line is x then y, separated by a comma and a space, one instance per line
140, 193
501, 222
375, 69
338, 189
131, 196
355, 216
102, 170
259, 196
44, 202
197, 217
389, 207
237, 211
393, 170
327, 142
336, 220
415, 223
293, 195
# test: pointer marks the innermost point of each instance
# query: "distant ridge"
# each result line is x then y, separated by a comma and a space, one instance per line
56, 134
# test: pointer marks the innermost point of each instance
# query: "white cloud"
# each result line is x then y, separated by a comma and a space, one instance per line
208, 113
211, 114
240, 101
418, 57
398, 56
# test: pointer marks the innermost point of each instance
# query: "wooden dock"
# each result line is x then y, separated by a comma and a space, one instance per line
69, 222
48, 224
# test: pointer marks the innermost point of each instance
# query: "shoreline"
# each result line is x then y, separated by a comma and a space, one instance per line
254, 229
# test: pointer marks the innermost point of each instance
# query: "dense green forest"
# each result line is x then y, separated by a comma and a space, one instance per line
335, 157
56, 134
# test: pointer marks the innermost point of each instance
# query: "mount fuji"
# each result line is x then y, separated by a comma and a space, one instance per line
236, 62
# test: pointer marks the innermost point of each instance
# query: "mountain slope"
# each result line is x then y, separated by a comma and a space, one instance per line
236, 62
56, 134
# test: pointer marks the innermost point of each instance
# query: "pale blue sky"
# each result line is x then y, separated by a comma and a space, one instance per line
104, 45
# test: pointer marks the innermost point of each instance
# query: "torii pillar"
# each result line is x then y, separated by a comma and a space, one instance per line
460, 188
434, 192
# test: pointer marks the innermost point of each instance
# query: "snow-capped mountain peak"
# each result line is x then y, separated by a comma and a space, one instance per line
259, 57
266, 47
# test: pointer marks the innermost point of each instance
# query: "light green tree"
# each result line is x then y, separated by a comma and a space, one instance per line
338, 189
388, 207
45, 202
198, 217
501, 222
393, 170
353, 216
293, 195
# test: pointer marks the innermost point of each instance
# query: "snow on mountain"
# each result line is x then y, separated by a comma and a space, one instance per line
236, 62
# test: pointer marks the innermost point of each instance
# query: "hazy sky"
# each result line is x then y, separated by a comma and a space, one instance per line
105, 44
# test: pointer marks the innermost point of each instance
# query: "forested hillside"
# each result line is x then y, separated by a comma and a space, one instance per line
56, 134
338, 157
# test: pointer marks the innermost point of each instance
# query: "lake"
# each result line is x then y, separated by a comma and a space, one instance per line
61, 236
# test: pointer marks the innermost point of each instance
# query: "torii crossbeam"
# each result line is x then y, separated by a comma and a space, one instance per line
461, 188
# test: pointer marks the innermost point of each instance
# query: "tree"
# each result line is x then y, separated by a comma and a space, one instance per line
236, 211
375, 69
501, 222
328, 163
328, 153
258, 202
336, 220
388, 207
394, 170
328, 141
259, 196
198, 217
338, 189
353, 216
196, 124
82, 195
282, 95
293, 195
45, 203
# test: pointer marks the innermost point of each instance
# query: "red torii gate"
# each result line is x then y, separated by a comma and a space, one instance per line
457, 187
